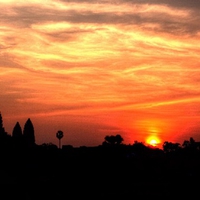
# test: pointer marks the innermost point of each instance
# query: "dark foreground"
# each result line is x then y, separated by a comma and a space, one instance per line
99, 174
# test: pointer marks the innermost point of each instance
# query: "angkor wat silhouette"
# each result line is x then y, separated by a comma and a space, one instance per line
19, 137
110, 170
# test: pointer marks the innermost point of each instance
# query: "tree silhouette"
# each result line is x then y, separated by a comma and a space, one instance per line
113, 139
4, 137
2, 130
119, 139
191, 144
59, 135
186, 144
170, 146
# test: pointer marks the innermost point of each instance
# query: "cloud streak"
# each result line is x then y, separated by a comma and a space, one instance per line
104, 60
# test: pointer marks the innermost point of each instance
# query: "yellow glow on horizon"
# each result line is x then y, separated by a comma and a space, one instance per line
153, 140
151, 130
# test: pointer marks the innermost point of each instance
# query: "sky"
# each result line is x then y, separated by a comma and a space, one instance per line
96, 68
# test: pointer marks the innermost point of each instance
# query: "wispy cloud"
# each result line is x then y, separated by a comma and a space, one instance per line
90, 58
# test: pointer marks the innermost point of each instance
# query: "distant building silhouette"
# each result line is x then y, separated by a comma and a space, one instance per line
28, 133
17, 131
17, 137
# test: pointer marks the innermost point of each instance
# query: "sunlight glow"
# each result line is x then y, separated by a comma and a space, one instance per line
130, 67
153, 141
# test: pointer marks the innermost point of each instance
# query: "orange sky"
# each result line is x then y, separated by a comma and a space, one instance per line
96, 68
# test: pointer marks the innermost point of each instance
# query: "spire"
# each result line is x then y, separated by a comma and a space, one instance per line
17, 131
28, 133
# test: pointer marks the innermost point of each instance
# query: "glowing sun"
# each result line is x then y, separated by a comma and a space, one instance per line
153, 141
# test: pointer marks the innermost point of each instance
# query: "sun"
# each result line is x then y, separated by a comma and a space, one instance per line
153, 141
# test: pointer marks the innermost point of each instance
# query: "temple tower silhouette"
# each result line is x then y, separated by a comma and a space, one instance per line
28, 133
17, 131
17, 136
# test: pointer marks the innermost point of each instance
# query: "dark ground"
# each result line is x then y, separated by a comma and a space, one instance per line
98, 174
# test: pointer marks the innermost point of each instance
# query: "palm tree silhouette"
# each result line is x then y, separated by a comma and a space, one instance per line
59, 135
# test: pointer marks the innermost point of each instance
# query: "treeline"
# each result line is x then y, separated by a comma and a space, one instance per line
25, 138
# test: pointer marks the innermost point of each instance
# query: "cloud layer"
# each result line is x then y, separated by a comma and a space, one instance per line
112, 66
